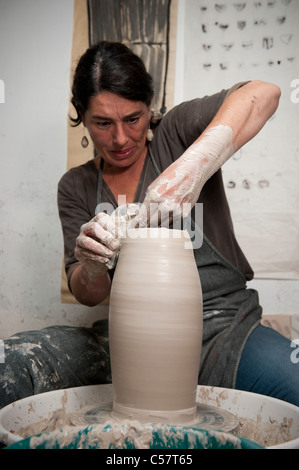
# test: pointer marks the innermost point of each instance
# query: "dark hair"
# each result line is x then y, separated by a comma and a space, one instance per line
109, 66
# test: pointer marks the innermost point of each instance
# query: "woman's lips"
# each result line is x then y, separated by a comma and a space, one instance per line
123, 153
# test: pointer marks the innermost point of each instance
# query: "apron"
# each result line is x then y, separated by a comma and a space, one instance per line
230, 310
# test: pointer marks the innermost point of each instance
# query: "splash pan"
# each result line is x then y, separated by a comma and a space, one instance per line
81, 418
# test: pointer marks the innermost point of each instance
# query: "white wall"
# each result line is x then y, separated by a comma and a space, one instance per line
35, 51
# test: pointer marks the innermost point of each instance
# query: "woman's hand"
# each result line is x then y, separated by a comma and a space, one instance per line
174, 193
97, 243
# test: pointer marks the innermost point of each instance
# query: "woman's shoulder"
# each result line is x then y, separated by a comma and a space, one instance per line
79, 171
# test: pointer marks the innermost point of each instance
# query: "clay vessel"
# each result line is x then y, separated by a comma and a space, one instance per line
155, 327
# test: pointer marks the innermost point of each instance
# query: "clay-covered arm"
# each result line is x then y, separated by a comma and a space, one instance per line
241, 116
95, 245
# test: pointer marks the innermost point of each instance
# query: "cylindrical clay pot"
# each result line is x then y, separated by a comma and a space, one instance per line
155, 328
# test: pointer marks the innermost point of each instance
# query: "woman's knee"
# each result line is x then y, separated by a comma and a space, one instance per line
266, 366
15, 378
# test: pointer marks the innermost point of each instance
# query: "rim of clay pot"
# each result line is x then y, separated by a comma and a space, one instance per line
155, 233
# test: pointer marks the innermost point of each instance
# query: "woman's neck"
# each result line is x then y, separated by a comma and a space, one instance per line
123, 180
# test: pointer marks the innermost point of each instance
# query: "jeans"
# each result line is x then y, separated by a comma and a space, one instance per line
269, 365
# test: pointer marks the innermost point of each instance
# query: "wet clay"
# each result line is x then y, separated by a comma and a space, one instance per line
155, 327
184, 179
266, 434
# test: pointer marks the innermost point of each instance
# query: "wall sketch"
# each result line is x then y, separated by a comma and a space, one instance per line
231, 41
240, 27
143, 25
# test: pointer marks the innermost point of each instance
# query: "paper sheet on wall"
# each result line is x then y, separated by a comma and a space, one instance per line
227, 42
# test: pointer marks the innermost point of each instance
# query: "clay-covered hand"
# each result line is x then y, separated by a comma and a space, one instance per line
97, 243
174, 193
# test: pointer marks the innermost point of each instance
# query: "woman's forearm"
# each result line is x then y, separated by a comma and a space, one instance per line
247, 110
241, 116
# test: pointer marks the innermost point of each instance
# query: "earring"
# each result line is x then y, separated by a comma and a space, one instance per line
84, 141
149, 135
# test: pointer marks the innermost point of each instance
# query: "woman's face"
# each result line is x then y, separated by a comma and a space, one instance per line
118, 127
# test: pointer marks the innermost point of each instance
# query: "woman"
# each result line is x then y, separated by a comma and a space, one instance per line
169, 161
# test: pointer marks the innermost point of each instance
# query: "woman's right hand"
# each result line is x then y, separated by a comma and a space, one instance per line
97, 243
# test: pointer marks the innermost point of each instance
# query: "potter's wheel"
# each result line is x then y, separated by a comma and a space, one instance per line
95, 427
68, 419
208, 417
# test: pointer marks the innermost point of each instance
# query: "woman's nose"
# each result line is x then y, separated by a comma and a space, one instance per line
120, 137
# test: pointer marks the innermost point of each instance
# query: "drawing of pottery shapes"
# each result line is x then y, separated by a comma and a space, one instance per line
155, 327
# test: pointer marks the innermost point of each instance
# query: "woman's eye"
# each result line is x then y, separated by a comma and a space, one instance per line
103, 124
133, 120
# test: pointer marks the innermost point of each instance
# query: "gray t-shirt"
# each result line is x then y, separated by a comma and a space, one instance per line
173, 134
